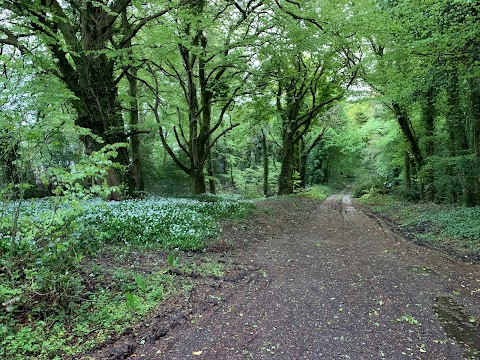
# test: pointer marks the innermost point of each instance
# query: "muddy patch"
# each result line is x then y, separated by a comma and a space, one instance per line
457, 324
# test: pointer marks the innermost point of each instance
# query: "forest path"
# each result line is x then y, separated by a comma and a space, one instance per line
333, 283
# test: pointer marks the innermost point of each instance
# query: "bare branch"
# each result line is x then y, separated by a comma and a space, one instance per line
179, 142
172, 154
181, 126
275, 141
121, 7
239, 8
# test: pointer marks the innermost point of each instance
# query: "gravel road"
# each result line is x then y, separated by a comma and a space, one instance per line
331, 282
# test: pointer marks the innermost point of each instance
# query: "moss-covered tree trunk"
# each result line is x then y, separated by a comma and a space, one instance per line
135, 140
265, 156
287, 169
428, 115
408, 173
89, 73
475, 114
99, 111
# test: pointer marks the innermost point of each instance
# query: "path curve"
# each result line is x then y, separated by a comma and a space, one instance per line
333, 284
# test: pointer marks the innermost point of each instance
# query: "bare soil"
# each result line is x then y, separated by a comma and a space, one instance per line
315, 280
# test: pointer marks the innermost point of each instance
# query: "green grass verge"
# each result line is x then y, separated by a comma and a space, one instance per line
317, 192
453, 229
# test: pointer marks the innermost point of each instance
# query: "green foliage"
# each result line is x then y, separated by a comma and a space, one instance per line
455, 229
205, 268
41, 241
409, 319
101, 313
173, 261
41, 277
183, 224
131, 301
368, 188
317, 192
42, 245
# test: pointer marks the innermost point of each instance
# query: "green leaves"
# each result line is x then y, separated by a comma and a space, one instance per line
160, 222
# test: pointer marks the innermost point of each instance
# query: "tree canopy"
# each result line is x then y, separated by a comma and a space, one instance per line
245, 96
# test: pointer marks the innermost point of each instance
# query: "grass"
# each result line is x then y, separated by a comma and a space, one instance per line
453, 229
122, 260
317, 192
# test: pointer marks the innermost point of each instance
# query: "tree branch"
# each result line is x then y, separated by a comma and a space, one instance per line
12, 40
298, 17
172, 154
315, 142
212, 143
184, 149
143, 21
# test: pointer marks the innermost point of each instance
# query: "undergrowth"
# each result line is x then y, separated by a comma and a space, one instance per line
56, 300
317, 192
453, 229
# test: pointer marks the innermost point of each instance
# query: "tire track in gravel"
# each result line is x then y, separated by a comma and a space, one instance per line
333, 284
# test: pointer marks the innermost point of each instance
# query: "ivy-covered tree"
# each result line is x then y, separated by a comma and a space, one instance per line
85, 39
417, 66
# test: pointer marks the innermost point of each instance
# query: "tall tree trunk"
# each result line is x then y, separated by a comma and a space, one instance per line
199, 184
93, 82
405, 125
135, 140
266, 188
99, 111
306, 152
285, 180
98, 106
428, 114
408, 173
211, 174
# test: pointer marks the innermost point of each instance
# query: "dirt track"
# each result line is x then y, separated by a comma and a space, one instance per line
333, 283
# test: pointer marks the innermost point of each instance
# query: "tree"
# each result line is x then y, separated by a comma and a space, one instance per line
302, 93
83, 38
416, 65
211, 45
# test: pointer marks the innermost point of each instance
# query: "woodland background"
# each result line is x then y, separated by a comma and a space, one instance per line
132, 100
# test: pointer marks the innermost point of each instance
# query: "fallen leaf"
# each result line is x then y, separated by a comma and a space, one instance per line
196, 353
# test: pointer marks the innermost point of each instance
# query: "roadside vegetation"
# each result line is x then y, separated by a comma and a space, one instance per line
80, 272
452, 229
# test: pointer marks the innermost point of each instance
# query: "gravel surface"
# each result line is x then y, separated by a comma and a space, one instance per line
326, 281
